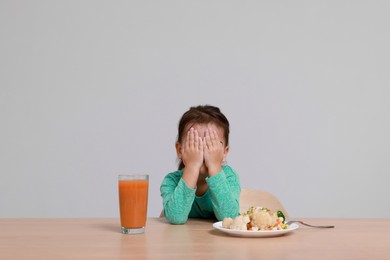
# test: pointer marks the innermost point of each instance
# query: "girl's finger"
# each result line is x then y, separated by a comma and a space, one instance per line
217, 139
207, 139
190, 138
214, 136
200, 144
196, 139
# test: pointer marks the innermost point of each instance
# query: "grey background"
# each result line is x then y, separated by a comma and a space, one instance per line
93, 89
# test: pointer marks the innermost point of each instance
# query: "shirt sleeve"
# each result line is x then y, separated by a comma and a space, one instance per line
177, 199
224, 189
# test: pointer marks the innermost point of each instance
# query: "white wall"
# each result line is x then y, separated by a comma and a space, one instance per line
92, 89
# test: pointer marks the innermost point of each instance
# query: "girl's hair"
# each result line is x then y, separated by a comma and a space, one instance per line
202, 115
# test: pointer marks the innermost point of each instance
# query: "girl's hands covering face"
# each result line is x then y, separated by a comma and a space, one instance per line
192, 150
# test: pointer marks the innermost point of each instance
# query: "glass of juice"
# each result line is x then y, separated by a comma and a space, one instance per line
133, 202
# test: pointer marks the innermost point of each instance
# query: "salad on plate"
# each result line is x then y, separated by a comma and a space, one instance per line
257, 219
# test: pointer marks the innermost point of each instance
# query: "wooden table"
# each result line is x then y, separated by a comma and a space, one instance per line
101, 238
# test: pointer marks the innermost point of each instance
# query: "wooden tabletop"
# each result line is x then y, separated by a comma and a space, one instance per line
101, 238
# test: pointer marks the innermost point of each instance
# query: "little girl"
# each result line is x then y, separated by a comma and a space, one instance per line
201, 187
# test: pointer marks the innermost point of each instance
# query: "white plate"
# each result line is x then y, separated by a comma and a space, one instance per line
261, 233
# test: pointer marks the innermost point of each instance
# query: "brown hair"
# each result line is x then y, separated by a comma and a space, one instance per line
203, 115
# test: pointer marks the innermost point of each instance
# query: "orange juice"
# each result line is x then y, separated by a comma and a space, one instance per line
133, 202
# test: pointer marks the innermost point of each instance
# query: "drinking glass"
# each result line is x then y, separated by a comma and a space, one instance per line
133, 202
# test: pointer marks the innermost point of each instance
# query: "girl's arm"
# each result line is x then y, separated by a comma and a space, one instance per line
177, 198
224, 189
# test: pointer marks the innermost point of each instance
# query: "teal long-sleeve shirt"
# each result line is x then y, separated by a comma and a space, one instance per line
220, 200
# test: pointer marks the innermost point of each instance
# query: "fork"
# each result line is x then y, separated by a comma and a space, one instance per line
305, 224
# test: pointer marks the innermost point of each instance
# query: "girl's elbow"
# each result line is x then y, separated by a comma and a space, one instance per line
176, 220
232, 212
